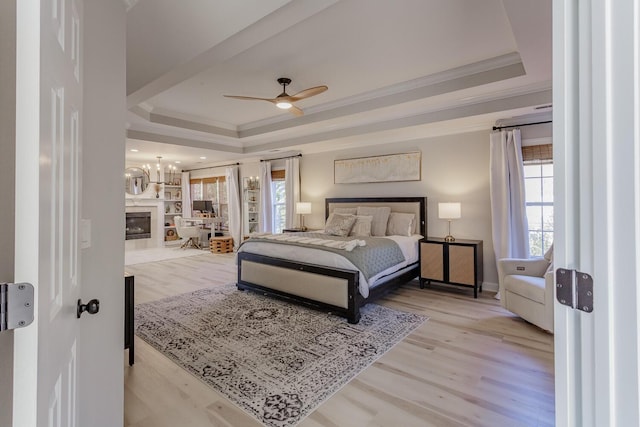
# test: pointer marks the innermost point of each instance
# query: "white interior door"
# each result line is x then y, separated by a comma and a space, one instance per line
49, 116
70, 90
596, 87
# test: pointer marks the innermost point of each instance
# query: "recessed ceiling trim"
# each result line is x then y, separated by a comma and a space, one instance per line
156, 137
474, 109
479, 73
141, 112
491, 64
188, 124
408, 95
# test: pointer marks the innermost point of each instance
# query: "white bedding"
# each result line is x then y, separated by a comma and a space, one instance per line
408, 246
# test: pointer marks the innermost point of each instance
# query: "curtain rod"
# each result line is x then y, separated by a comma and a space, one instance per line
523, 124
280, 158
211, 167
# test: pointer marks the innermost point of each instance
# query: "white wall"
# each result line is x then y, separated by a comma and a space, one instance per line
454, 168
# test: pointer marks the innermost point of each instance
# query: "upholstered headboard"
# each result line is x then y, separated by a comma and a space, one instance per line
414, 205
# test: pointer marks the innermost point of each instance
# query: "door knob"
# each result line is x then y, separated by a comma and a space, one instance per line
92, 307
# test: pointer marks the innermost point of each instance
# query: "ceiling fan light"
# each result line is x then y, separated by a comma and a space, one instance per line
284, 105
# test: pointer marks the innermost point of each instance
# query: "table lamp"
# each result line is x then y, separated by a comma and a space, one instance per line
302, 209
449, 211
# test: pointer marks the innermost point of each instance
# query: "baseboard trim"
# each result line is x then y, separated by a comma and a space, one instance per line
487, 286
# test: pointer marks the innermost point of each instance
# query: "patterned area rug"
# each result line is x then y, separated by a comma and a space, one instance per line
275, 360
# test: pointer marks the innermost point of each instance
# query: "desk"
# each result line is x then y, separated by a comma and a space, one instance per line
205, 230
204, 221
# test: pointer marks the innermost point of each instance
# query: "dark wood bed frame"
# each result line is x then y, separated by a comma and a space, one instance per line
355, 299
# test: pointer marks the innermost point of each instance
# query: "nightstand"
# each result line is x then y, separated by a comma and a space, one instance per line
454, 263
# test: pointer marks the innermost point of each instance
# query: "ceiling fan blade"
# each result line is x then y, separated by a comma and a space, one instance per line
295, 111
251, 98
308, 92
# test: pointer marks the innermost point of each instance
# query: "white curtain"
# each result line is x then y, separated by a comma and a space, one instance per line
233, 198
508, 211
266, 202
292, 190
186, 195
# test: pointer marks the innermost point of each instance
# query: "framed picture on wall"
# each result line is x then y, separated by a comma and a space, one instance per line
387, 168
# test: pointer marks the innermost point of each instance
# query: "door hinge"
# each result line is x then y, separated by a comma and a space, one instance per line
16, 305
574, 289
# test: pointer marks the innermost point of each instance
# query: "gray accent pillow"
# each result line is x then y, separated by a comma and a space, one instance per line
362, 226
400, 224
380, 218
339, 225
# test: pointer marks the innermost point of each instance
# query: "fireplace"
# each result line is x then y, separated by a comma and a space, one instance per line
138, 225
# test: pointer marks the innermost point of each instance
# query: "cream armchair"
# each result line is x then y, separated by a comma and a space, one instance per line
527, 289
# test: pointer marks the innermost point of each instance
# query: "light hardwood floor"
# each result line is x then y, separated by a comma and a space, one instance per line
472, 364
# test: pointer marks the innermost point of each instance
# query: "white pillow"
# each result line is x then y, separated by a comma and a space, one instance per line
400, 224
345, 211
339, 225
362, 226
380, 218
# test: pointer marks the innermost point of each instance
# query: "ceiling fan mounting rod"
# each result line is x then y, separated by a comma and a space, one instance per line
284, 81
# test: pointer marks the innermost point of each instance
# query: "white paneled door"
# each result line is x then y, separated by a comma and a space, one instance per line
49, 84
48, 371
596, 114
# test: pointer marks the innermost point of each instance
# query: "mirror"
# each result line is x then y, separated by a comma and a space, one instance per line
135, 181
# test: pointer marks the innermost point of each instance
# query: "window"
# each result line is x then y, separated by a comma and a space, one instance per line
279, 205
214, 189
538, 183
279, 200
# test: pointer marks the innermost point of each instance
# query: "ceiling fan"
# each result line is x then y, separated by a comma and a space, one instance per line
284, 100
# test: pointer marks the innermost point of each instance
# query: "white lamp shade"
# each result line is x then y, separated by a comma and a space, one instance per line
449, 210
303, 208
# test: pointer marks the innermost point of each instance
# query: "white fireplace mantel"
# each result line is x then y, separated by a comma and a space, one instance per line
155, 206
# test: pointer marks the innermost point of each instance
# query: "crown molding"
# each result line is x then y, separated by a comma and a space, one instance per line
472, 75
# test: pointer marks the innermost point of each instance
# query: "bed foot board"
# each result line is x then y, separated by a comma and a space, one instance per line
328, 289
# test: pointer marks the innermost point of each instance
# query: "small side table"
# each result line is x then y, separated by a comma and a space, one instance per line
454, 263
129, 335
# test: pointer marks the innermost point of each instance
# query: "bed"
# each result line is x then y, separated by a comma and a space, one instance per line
328, 282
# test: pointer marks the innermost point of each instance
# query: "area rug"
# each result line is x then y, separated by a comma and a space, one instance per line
275, 360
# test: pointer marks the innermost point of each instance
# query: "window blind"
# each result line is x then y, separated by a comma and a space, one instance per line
537, 153
277, 175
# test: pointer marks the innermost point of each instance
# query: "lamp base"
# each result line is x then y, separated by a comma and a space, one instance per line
449, 238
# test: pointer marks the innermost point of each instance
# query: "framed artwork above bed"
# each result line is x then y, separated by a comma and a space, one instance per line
387, 168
